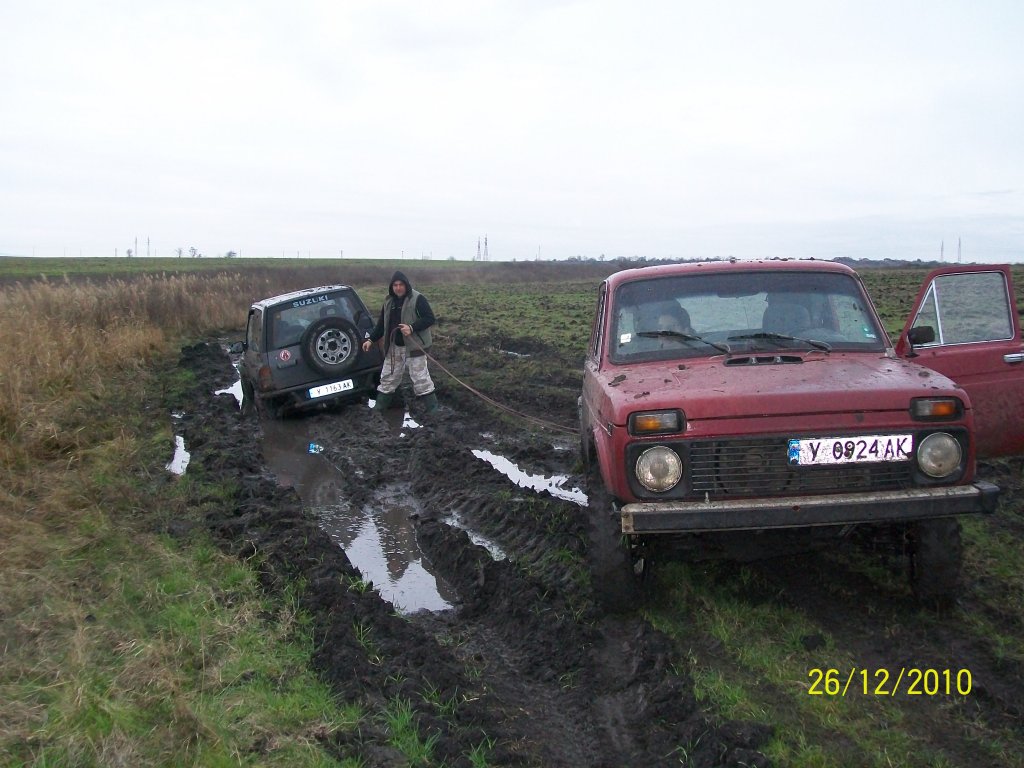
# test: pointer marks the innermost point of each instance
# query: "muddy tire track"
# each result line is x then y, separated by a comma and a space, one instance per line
531, 665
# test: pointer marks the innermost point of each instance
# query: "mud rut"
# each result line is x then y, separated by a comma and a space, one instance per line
524, 662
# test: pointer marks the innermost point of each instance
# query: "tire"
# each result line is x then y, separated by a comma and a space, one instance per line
609, 558
269, 407
330, 346
248, 406
936, 552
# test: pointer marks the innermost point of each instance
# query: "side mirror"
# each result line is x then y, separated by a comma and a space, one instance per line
237, 348
921, 334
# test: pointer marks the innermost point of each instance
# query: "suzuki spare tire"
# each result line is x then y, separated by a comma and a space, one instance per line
330, 345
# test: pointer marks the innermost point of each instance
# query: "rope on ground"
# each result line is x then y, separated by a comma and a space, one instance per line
535, 420
532, 419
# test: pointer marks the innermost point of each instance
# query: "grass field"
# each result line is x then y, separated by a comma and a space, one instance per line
123, 647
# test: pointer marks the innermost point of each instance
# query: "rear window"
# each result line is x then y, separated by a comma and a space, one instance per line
287, 322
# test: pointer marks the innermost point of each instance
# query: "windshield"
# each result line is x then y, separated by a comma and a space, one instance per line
741, 312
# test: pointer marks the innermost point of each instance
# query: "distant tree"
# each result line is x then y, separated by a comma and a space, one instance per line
230, 254
194, 253
179, 251
129, 252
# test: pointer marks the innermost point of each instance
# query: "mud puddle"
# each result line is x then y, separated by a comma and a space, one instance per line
377, 535
523, 670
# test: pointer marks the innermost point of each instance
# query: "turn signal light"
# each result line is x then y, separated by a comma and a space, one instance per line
656, 422
936, 408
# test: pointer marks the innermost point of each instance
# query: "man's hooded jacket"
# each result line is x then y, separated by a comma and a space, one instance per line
412, 309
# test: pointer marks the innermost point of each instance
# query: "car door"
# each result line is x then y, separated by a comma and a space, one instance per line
975, 340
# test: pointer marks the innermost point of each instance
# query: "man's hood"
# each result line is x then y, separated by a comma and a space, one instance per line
400, 276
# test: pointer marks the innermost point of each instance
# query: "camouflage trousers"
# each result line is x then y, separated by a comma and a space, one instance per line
396, 361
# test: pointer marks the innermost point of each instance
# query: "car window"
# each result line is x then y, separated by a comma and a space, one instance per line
745, 311
595, 330
968, 307
288, 322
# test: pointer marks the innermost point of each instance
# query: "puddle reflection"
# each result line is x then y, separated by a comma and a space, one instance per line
179, 462
552, 484
378, 538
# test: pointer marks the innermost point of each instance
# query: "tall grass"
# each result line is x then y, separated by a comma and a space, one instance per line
65, 342
118, 647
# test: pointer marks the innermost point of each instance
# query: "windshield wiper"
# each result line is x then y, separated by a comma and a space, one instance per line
822, 345
683, 337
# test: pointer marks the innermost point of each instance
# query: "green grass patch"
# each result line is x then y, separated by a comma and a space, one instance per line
748, 662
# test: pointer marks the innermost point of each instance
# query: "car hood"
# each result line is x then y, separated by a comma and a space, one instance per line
708, 388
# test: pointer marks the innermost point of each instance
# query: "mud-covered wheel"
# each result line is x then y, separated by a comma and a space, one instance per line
269, 407
330, 345
248, 406
936, 552
609, 558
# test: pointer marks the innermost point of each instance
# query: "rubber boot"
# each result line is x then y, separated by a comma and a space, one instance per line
383, 401
429, 401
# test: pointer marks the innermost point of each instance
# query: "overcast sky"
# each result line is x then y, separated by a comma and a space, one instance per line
381, 129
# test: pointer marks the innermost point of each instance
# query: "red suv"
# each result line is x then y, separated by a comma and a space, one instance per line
754, 396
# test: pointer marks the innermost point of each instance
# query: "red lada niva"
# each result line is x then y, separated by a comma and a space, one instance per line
722, 397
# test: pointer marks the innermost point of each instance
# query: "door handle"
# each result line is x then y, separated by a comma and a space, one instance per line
1016, 357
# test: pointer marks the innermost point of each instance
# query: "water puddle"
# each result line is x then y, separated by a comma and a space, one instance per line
553, 484
455, 521
378, 538
235, 389
179, 462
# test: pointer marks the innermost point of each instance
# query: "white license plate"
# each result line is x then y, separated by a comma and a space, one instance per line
860, 449
330, 389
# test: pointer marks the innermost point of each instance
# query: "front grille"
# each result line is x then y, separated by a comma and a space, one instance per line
760, 467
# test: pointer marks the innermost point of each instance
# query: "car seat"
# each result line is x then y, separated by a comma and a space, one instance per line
786, 318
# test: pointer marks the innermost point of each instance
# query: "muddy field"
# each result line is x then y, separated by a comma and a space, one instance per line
481, 615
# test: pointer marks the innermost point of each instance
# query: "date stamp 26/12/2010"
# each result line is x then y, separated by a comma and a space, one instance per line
910, 681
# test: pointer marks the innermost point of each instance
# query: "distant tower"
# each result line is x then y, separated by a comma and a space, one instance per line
942, 251
477, 250
959, 256
485, 248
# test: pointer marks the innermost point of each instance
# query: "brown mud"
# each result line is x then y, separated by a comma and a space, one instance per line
523, 661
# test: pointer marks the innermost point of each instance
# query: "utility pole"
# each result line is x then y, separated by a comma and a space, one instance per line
959, 258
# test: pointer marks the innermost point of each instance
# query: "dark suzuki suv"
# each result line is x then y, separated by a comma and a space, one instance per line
302, 349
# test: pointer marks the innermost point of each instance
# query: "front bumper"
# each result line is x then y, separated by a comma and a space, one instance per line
805, 511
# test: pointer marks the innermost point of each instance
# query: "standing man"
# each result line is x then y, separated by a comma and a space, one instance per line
404, 324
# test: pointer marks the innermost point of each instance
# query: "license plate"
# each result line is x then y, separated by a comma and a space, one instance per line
860, 449
330, 389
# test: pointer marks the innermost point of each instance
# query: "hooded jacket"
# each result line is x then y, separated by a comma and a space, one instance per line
412, 309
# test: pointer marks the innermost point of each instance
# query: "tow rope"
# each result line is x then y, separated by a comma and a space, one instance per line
535, 420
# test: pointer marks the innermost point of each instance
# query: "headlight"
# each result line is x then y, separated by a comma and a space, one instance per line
659, 469
939, 454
